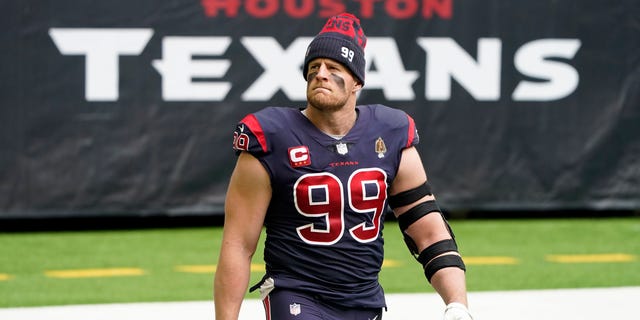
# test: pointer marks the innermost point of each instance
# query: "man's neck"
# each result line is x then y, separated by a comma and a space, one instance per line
333, 123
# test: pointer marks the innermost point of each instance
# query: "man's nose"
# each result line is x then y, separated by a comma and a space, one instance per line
323, 71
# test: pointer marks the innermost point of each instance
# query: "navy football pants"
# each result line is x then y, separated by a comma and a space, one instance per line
292, 305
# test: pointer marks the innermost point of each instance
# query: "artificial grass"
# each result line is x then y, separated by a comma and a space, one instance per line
161, 254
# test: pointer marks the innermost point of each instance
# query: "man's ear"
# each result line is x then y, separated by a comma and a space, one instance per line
357, 87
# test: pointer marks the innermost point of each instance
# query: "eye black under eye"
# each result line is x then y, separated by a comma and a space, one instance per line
311, 75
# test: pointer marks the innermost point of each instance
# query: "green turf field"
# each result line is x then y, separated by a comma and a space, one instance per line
54, 268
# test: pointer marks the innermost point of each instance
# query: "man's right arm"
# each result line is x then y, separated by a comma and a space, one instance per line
246, 204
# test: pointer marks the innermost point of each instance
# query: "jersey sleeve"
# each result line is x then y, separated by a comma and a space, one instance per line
249, 136
412, 132
402, 125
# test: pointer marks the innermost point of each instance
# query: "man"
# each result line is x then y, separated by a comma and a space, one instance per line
320, 179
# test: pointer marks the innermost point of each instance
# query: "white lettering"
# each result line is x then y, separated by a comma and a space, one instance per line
298, 154
389, 74
446, 60
281, 68
561, 79
178, 69
101, 48
185, 78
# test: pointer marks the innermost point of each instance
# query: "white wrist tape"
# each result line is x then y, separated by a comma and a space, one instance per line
457, 311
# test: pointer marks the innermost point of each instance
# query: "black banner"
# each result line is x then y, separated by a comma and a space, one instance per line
127, 107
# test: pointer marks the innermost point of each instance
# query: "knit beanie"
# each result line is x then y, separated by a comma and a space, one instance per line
341, 39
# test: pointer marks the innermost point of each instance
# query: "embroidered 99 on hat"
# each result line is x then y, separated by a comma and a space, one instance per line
341, 39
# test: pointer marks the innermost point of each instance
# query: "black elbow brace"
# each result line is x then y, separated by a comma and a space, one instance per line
444, 261
410, 196
432, 258
412, 215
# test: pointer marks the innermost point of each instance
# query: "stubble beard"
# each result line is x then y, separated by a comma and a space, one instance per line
329, 102
325, 102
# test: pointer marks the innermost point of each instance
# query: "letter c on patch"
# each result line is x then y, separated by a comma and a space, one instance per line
299, 156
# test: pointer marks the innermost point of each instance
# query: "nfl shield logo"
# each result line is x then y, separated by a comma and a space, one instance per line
294, 309
342, 148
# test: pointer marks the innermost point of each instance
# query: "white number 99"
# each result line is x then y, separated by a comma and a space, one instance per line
347, 53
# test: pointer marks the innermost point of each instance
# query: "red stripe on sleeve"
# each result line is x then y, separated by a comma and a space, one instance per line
254, 125
411, 134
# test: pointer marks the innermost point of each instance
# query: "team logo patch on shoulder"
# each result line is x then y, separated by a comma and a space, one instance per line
299, 156
381, 148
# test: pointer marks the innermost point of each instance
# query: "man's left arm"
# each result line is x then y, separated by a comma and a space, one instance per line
428, 235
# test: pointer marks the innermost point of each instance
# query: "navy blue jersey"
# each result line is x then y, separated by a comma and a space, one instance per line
324, 223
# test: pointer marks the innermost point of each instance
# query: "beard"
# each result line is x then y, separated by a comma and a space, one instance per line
326, 102
332, 101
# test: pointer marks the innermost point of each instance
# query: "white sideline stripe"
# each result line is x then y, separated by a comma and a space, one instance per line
561, 304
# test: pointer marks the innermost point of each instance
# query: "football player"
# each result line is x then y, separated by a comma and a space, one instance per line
320, 179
